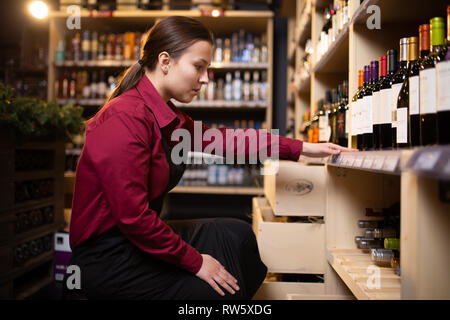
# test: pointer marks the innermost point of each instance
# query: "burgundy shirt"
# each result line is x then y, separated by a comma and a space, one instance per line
123, 167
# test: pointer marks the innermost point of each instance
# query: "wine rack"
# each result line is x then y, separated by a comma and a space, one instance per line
417, 178
31, 210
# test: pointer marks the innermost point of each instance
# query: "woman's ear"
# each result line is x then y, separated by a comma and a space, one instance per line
164, 61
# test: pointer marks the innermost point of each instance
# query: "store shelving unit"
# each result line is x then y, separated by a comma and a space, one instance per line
416, 178
256, 22
31, 211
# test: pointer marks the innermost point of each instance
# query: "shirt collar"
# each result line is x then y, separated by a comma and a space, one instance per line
162, 111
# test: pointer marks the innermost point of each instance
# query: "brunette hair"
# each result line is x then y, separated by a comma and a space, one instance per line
172, 34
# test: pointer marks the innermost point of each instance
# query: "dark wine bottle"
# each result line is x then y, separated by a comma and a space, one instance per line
362, 115
443, 92
414, 84
403, 104
367, 102
386, 101
343, 114
427, 74
355, 108
397, 83
376, 104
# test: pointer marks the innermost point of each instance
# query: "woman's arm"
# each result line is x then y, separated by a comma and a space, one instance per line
245, 142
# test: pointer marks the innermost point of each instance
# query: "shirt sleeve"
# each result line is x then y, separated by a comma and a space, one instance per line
120, 152
247, 142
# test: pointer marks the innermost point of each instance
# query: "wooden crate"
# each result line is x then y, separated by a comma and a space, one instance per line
288, 247
295, 189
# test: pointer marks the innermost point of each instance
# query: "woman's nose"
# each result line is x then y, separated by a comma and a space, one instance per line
204, 78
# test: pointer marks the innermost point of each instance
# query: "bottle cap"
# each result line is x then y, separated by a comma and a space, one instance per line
424, 33
413, 50
437, 31
374, 69
391, 61
366, 74
383, 67
403, 49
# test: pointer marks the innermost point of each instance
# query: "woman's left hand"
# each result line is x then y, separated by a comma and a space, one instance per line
320, 150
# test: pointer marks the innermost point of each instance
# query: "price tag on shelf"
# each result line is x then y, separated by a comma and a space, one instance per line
390, 163
378, 163
350, 161
368, 162
427, 160
358, 162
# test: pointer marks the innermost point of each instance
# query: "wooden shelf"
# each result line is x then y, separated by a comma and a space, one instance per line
218, 190
430, 162
388, 162
335, 60
127, 63
305, 85
357, 270
222, 104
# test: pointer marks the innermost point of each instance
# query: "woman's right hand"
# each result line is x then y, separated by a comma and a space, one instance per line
214, 273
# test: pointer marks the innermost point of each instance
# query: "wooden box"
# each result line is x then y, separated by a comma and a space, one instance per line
295, 189
288, 247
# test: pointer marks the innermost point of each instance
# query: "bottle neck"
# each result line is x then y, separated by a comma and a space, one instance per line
424, 53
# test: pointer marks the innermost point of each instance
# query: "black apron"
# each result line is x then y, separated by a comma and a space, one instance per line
112, 267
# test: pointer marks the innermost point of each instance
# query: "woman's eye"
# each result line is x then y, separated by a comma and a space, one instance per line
198, 67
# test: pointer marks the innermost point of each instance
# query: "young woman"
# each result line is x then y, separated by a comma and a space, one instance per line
122, 247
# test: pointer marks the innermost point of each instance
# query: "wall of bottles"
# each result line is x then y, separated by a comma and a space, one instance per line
222, 175
330, 123
336, 16
403, 100
381, 237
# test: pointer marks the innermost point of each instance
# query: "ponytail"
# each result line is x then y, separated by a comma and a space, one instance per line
129, 79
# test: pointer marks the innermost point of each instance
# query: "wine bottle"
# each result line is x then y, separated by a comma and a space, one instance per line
386, 101
392, 243
355, 107
427, 74
397, 83
403, 105
361, 116
332, 118
443, 92
383, 256
342, 122
369, 105
376, 104
414, 86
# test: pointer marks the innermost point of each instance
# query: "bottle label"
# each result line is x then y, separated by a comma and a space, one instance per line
443, 86
347, 121
385, 106
368, 118
376, 107
358, 105
402, 125
323, 128
353, 118
395, 92
427, 93
414, 95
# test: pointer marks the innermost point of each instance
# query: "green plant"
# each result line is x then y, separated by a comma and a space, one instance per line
32, 118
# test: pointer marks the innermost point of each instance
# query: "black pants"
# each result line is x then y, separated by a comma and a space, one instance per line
113, 268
